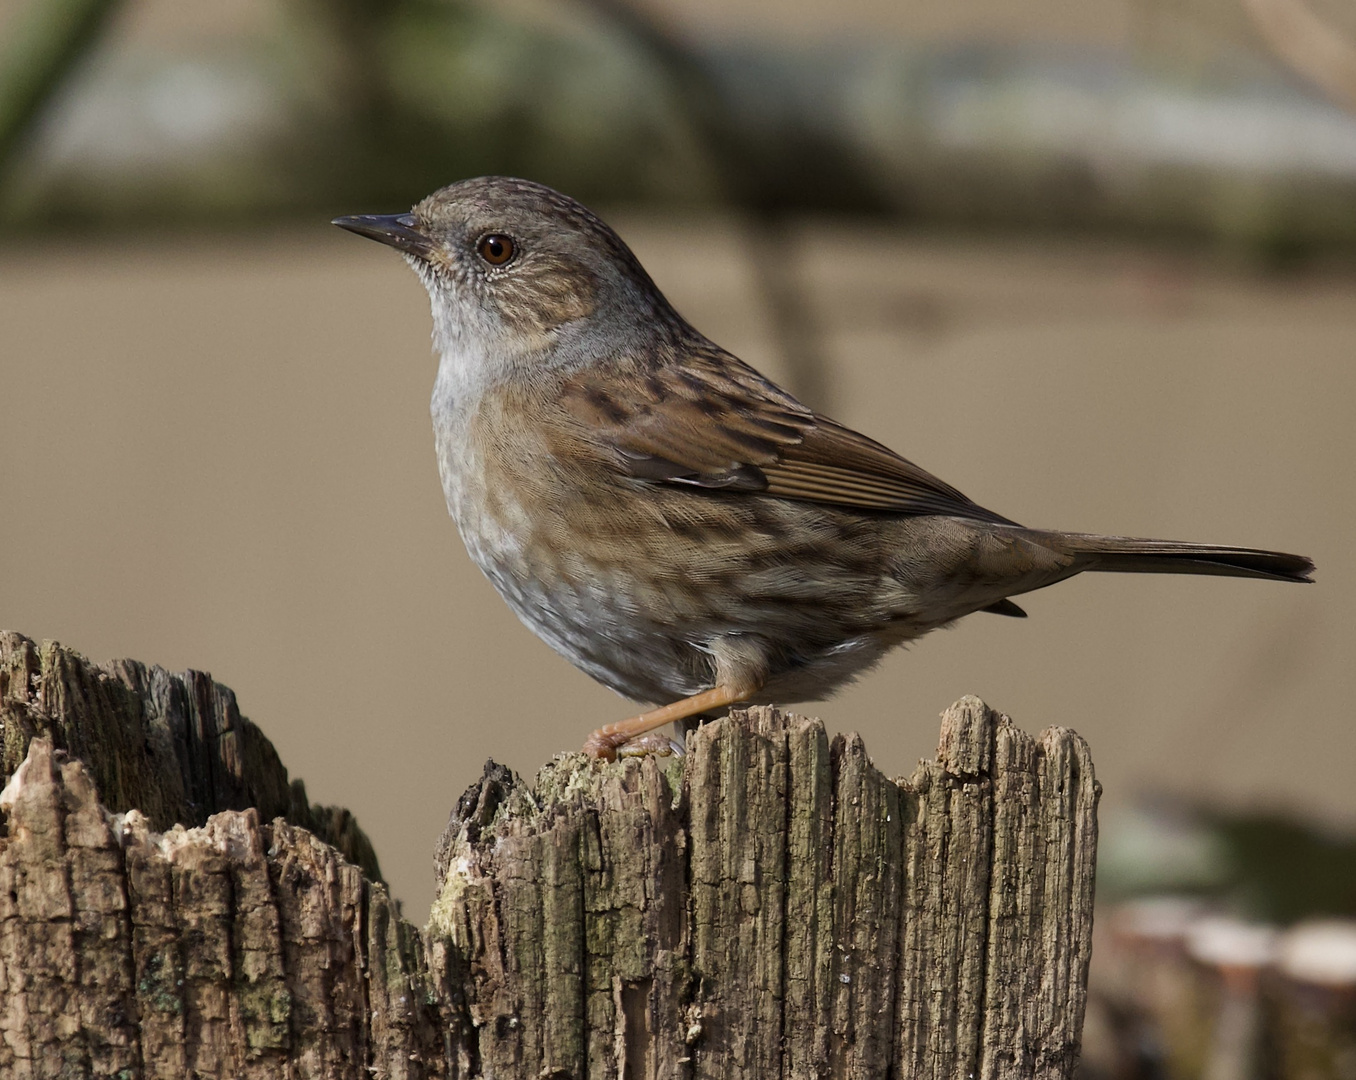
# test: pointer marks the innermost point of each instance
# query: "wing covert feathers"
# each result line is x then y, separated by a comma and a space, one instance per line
714, 422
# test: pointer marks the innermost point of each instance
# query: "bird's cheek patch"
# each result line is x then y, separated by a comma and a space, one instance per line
548, 295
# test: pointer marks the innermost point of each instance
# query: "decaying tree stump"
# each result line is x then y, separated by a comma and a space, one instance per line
770, 905
174, 747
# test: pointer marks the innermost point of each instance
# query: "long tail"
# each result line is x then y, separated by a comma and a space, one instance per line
1123, 554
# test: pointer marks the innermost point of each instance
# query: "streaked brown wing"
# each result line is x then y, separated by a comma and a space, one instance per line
835, 464
714, 422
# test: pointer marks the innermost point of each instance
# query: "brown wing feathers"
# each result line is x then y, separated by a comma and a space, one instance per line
835, 464
714, 422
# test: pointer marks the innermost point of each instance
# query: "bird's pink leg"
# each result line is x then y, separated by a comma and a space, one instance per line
605, 742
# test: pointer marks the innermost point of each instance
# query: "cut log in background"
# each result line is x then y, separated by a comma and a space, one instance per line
769, 906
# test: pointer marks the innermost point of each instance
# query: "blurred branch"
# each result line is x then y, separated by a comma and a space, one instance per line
729, 151
48, 38
1310, 46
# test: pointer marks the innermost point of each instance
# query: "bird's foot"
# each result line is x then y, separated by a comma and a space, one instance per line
652, 745
604, 743
607, 747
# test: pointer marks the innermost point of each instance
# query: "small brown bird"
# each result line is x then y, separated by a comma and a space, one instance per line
673, 523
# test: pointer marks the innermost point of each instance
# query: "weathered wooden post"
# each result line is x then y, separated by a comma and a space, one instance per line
770, 905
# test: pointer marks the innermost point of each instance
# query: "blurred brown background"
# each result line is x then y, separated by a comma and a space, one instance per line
217, 453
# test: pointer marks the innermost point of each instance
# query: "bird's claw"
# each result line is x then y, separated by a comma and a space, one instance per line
652, 744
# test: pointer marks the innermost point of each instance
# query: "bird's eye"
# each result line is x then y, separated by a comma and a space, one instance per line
496, 249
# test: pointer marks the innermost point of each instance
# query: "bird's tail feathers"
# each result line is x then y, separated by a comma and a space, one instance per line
1124, 554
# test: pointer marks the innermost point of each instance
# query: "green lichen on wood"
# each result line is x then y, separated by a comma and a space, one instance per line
156, 987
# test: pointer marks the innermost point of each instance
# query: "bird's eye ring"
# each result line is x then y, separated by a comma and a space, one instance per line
496, 248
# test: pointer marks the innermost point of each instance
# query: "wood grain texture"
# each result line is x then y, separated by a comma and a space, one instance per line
173, 746
769, 906
236, 949
819, 918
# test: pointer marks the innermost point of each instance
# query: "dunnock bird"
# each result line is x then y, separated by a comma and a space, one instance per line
673, 523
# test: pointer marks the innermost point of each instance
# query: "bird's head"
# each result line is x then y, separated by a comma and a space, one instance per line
513, 268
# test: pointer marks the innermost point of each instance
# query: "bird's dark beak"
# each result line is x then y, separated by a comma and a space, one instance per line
401, 231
